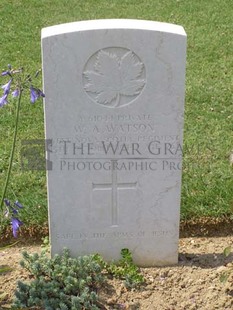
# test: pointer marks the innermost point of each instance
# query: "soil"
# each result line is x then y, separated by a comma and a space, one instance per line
194, 283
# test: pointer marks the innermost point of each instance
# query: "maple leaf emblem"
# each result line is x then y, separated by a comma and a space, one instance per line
115, 77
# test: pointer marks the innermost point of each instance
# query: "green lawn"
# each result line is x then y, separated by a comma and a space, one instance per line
208, 140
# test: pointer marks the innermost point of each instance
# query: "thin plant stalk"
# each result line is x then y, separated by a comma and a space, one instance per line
12, 150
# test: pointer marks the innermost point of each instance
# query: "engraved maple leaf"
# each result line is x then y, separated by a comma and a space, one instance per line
114, 76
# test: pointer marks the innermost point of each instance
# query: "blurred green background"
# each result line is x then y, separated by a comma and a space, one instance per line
207, 187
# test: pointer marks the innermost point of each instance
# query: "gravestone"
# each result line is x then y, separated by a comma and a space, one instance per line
114, 117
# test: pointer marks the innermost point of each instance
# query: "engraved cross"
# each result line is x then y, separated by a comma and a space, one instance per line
114, 186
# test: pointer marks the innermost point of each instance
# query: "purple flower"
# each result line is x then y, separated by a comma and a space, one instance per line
15, 93
17, 204
5, 73
16, 223
7, 87
8, 72
14, 211
41, 94
3, 100
7, 202
35, 94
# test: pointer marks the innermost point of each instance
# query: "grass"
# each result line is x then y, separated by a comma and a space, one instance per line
208, 133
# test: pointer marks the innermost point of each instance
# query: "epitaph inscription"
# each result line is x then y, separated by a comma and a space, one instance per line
116, 235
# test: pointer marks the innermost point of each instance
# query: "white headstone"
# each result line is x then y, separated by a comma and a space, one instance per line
114, 112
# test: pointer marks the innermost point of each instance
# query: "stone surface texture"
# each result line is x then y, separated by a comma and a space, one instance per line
114, 119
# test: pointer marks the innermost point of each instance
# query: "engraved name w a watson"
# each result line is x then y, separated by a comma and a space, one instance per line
118, 128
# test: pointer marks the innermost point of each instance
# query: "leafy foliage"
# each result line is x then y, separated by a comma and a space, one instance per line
45, 244
224, 277
227, 251
65, 283
125, 269
60, 283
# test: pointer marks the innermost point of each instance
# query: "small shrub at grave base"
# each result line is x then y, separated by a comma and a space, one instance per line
125, 270
60, 283
71, 283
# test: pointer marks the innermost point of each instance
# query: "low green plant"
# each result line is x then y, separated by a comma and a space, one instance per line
61, 282
224, 277
65, 283
125, 269
45, 244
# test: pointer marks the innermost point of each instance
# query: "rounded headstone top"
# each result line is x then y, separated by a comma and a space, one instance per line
99, 24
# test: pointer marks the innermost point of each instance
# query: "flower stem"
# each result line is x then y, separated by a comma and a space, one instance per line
12, 151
